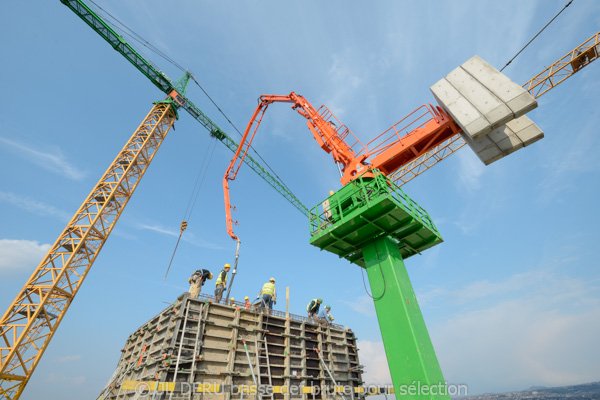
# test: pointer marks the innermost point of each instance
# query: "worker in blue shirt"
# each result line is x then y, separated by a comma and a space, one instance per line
325, 315
313, 307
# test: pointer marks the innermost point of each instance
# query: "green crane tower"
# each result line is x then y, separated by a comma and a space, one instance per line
371, 222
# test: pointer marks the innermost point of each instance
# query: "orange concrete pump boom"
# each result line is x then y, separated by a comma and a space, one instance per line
427, 127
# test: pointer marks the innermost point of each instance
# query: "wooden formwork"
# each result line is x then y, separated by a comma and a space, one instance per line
194, 349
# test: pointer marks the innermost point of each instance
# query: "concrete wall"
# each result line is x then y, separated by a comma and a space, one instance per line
161, 361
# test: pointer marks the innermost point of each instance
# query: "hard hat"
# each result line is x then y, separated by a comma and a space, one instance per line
227, 266
320, 300
246, 298
328, 307
272, 280
331, 192
210, 276
232, 299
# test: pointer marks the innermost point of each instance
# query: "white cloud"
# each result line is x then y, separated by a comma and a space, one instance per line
33, 206
372, 356
537, 327
346, 78
64, 379
67, 359
54, 161
470, 170
160, 229
188, 237
363, 305
570, 158
540, 282
20, 255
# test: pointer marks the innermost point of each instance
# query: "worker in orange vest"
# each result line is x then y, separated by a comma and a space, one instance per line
247, 304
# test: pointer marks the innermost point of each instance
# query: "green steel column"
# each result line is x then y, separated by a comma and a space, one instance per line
416, 373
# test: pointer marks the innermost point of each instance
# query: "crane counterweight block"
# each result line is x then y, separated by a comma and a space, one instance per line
489, 108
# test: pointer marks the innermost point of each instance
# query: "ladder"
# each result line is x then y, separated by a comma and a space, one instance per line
202, 316
183, 343
266, 347
116, 376
328, 372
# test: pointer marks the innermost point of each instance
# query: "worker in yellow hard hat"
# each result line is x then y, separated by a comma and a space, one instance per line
221, 283
232, 302
247, 304
269, 295
197, 280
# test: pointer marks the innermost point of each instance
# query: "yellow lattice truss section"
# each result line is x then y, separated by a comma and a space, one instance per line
32, 319
564, 68
558, 72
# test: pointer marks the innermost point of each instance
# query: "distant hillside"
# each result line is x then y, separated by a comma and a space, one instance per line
586, 391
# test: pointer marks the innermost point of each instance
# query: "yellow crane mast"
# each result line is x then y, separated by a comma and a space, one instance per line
32, 319
28, 325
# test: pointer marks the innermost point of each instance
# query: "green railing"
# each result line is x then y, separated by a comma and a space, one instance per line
363, 191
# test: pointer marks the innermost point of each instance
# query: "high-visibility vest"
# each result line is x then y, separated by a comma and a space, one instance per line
315, 307
268, 288
219, 281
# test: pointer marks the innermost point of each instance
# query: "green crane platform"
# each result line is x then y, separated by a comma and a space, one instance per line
371, 222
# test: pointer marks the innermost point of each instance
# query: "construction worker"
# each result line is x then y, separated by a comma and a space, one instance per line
325, 315
232, 302
247, 304
221, 283
313, 307
269, 294
197, 280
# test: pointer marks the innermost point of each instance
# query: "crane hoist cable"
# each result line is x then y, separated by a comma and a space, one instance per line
240, 133
125, 30
193, 197
537, 34
199, 180
362, 272
136, 37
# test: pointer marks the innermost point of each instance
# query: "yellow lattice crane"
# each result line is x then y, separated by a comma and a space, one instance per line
29, 323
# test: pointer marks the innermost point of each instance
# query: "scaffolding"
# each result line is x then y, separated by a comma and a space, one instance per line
200, 349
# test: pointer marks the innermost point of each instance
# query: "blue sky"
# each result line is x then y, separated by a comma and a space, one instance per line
511, 298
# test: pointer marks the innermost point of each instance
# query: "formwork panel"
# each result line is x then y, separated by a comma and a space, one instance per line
194, 349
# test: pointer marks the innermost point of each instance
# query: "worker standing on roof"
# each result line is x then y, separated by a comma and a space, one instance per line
197, 280
313, 307
269, 294
221, 283
247, 304
325, 315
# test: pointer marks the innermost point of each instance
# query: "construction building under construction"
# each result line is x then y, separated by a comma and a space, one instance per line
200, 349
